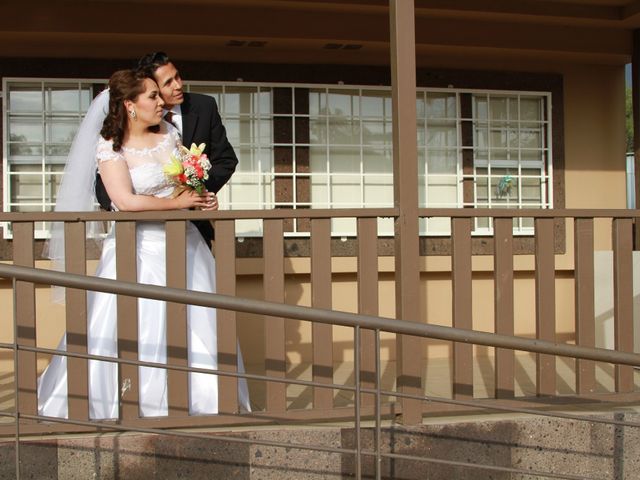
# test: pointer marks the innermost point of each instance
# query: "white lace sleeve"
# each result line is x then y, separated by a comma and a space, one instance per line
105, 151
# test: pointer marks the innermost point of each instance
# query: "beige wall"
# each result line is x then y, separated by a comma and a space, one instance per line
594, 178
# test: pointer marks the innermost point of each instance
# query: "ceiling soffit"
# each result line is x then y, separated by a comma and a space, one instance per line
274, 30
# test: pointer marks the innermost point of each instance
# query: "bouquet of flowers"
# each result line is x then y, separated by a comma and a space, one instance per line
188, 168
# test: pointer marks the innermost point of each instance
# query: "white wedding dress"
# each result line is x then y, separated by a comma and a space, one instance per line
145, 167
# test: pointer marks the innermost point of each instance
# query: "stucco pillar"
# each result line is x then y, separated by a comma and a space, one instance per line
405, 188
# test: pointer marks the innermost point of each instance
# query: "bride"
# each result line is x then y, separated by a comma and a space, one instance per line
133, 147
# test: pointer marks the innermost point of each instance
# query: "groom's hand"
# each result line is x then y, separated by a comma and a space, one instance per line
212, 202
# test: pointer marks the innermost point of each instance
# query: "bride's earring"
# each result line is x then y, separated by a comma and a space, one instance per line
132, 114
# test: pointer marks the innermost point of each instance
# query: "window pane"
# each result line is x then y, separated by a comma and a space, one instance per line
246, 191
320, 191
376, 132
318, 159
264, 102
344, 103
60, 131
345, 190
441, 105
498, 108
531, 108
376, 104
25, 130
442, 192
344, 160
442, 161
343, 131
421, 106
378, 191
62, 98
443, 134
17, 150
377, 161
240, 100
531, 186
26, 187
499, 138
532, 155
318, 131
481, 138
530, 137
480, 108
317, 102
256, 160
25, 99
57, 153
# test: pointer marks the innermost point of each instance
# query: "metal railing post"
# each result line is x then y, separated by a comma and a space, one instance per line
16, 387
378, 403
356, 365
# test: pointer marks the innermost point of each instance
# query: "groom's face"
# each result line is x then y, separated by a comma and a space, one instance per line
170, 85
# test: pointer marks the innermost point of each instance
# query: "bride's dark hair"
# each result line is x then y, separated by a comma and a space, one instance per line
123, 85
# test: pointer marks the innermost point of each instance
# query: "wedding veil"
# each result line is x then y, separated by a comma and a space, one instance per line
77, 189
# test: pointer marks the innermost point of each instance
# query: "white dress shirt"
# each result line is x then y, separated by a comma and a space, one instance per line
176, 119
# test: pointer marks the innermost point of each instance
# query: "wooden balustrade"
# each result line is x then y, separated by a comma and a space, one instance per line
544, 275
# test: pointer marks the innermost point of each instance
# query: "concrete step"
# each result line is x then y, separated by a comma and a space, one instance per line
585, 449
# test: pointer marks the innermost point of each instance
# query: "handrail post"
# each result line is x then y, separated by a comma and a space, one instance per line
405, 189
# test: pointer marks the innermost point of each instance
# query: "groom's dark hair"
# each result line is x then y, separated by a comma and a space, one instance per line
148, 64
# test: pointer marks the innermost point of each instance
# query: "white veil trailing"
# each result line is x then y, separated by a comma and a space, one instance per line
77, 189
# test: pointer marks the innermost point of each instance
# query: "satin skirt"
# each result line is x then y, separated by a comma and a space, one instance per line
104, 390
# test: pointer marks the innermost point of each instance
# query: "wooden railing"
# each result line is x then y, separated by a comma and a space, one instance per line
544, 256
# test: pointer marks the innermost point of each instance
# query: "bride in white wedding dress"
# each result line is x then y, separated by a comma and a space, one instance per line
133, 147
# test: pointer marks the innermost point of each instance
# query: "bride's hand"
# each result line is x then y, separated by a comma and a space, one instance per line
191, 199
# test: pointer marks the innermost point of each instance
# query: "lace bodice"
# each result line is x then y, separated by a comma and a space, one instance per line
145, 165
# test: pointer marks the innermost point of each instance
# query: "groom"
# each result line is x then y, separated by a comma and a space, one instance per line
197, 118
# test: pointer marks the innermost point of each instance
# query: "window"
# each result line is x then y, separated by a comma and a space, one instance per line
41, 119
350, 150
321, 146
511, 154
247, 115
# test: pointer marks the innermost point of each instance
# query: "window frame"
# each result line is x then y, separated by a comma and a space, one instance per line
294, 174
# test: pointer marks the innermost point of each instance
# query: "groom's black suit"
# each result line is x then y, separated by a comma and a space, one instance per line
201, 123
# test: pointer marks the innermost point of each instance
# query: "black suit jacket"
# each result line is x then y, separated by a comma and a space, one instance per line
201, 123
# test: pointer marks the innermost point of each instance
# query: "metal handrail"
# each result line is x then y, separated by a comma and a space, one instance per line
85, 282
332, 317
